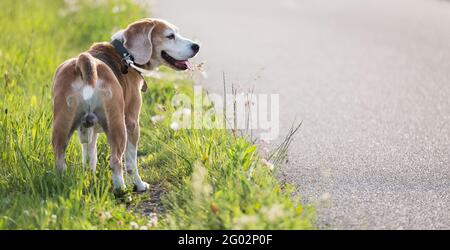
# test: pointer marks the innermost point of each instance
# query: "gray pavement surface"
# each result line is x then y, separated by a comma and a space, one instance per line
369, 79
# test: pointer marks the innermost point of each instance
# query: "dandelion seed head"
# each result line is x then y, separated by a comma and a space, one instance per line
157, 118
53, 218
108, 215
274, 212
175, 126
118, 8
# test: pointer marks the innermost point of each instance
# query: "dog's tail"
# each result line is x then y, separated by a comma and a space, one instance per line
88, 68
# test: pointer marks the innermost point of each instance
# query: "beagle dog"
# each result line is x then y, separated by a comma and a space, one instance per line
99, 91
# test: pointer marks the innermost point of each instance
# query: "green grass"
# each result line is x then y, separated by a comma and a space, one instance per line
199, 178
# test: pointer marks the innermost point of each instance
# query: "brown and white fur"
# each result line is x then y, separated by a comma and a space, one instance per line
92, 95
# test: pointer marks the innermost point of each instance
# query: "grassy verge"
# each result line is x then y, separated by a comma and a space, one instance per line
201, 179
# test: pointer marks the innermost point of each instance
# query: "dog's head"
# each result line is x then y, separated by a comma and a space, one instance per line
158, 42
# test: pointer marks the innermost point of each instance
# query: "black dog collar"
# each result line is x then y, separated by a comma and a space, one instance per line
127, 58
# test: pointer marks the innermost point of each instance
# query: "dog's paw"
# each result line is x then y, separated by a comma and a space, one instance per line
141, 186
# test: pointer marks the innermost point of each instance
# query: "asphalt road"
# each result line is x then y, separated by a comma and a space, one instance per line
369, 79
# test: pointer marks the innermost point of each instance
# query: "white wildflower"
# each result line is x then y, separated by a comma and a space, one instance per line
108, 215
134, 225
153, 220
274, 212
143, 228
175, 126
119, 8
245, 222
157, 118
102, 216
53, 218
268, 164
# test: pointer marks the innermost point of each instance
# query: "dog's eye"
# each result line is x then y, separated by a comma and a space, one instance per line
171, 36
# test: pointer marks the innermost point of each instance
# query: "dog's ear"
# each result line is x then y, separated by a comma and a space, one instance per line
137, 38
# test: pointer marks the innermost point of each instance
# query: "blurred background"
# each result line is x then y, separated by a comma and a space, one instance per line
369, 79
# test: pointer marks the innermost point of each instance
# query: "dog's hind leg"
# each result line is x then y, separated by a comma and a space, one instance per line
62, 131
117, 138
88, 138
92, 152
59, 148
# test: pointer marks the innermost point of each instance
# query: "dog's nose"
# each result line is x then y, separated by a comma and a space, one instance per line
195, 47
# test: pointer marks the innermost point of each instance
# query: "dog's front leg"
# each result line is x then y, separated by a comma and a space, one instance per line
131, 157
